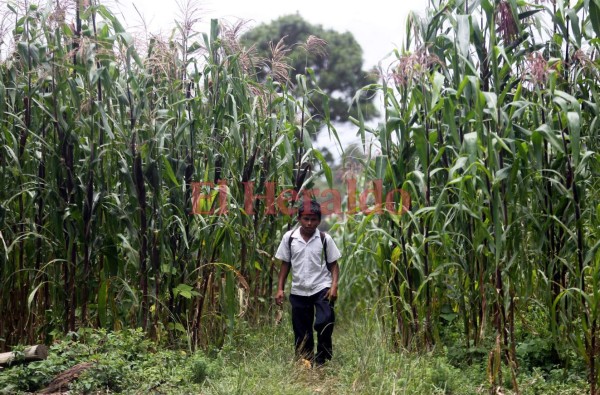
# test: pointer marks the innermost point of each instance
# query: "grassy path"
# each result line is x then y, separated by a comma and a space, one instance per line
261, 362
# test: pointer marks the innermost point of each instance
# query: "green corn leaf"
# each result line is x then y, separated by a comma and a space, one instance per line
438, 84
491, 100
419, 136
595, 15
32, 294
470, 144
2, 99
551, 137
574, 123
572, 101
463, 34
169, 171
527, 14
185, 291
102, 302
324, 166
574, 18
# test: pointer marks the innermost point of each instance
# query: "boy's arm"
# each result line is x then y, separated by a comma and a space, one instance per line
335, 274
283, 273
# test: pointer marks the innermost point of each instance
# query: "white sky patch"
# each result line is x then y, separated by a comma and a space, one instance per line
379, 26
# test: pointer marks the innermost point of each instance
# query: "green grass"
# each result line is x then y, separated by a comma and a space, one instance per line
260, 361
363, 364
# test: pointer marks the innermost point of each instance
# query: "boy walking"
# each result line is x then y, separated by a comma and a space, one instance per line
312, 257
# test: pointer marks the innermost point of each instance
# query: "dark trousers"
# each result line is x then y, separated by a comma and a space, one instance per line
307, 310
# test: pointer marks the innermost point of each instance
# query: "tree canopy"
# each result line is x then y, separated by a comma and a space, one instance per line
338, 69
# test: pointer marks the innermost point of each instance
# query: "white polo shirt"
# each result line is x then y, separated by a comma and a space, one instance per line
309, 272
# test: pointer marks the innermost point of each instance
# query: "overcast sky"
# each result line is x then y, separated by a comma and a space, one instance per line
377, 25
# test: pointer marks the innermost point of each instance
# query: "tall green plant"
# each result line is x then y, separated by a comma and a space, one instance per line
102, 153
490, 126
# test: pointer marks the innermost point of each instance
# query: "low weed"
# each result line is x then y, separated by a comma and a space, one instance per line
260, 360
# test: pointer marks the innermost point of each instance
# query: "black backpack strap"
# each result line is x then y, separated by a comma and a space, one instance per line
290, 246
324, 241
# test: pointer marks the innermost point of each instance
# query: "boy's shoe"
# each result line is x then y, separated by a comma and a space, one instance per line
306, 363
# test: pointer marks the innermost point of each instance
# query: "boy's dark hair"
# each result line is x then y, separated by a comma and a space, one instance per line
309, 207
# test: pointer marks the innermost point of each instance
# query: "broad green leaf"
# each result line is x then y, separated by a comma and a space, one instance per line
32, 294
595, 15
169, 171
470, 145
574, 104
527, 14
324, 166
463, 34
574, 19
574, 123
491, 100
102, 303
2, 100
551, 136
438, 83
419, 136
185, 291
459, 164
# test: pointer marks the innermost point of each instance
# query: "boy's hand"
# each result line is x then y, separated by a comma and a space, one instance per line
279, 297
332, 294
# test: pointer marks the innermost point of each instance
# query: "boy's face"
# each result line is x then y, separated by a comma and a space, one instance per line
309, 222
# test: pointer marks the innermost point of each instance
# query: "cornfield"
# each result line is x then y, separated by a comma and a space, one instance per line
491, 126
106, 157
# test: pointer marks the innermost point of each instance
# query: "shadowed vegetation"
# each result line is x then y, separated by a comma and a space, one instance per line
490, 125
101, 148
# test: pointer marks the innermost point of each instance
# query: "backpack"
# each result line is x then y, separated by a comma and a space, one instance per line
323, 241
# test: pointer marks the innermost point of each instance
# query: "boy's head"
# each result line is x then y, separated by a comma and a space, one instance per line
309, 216
309, 207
